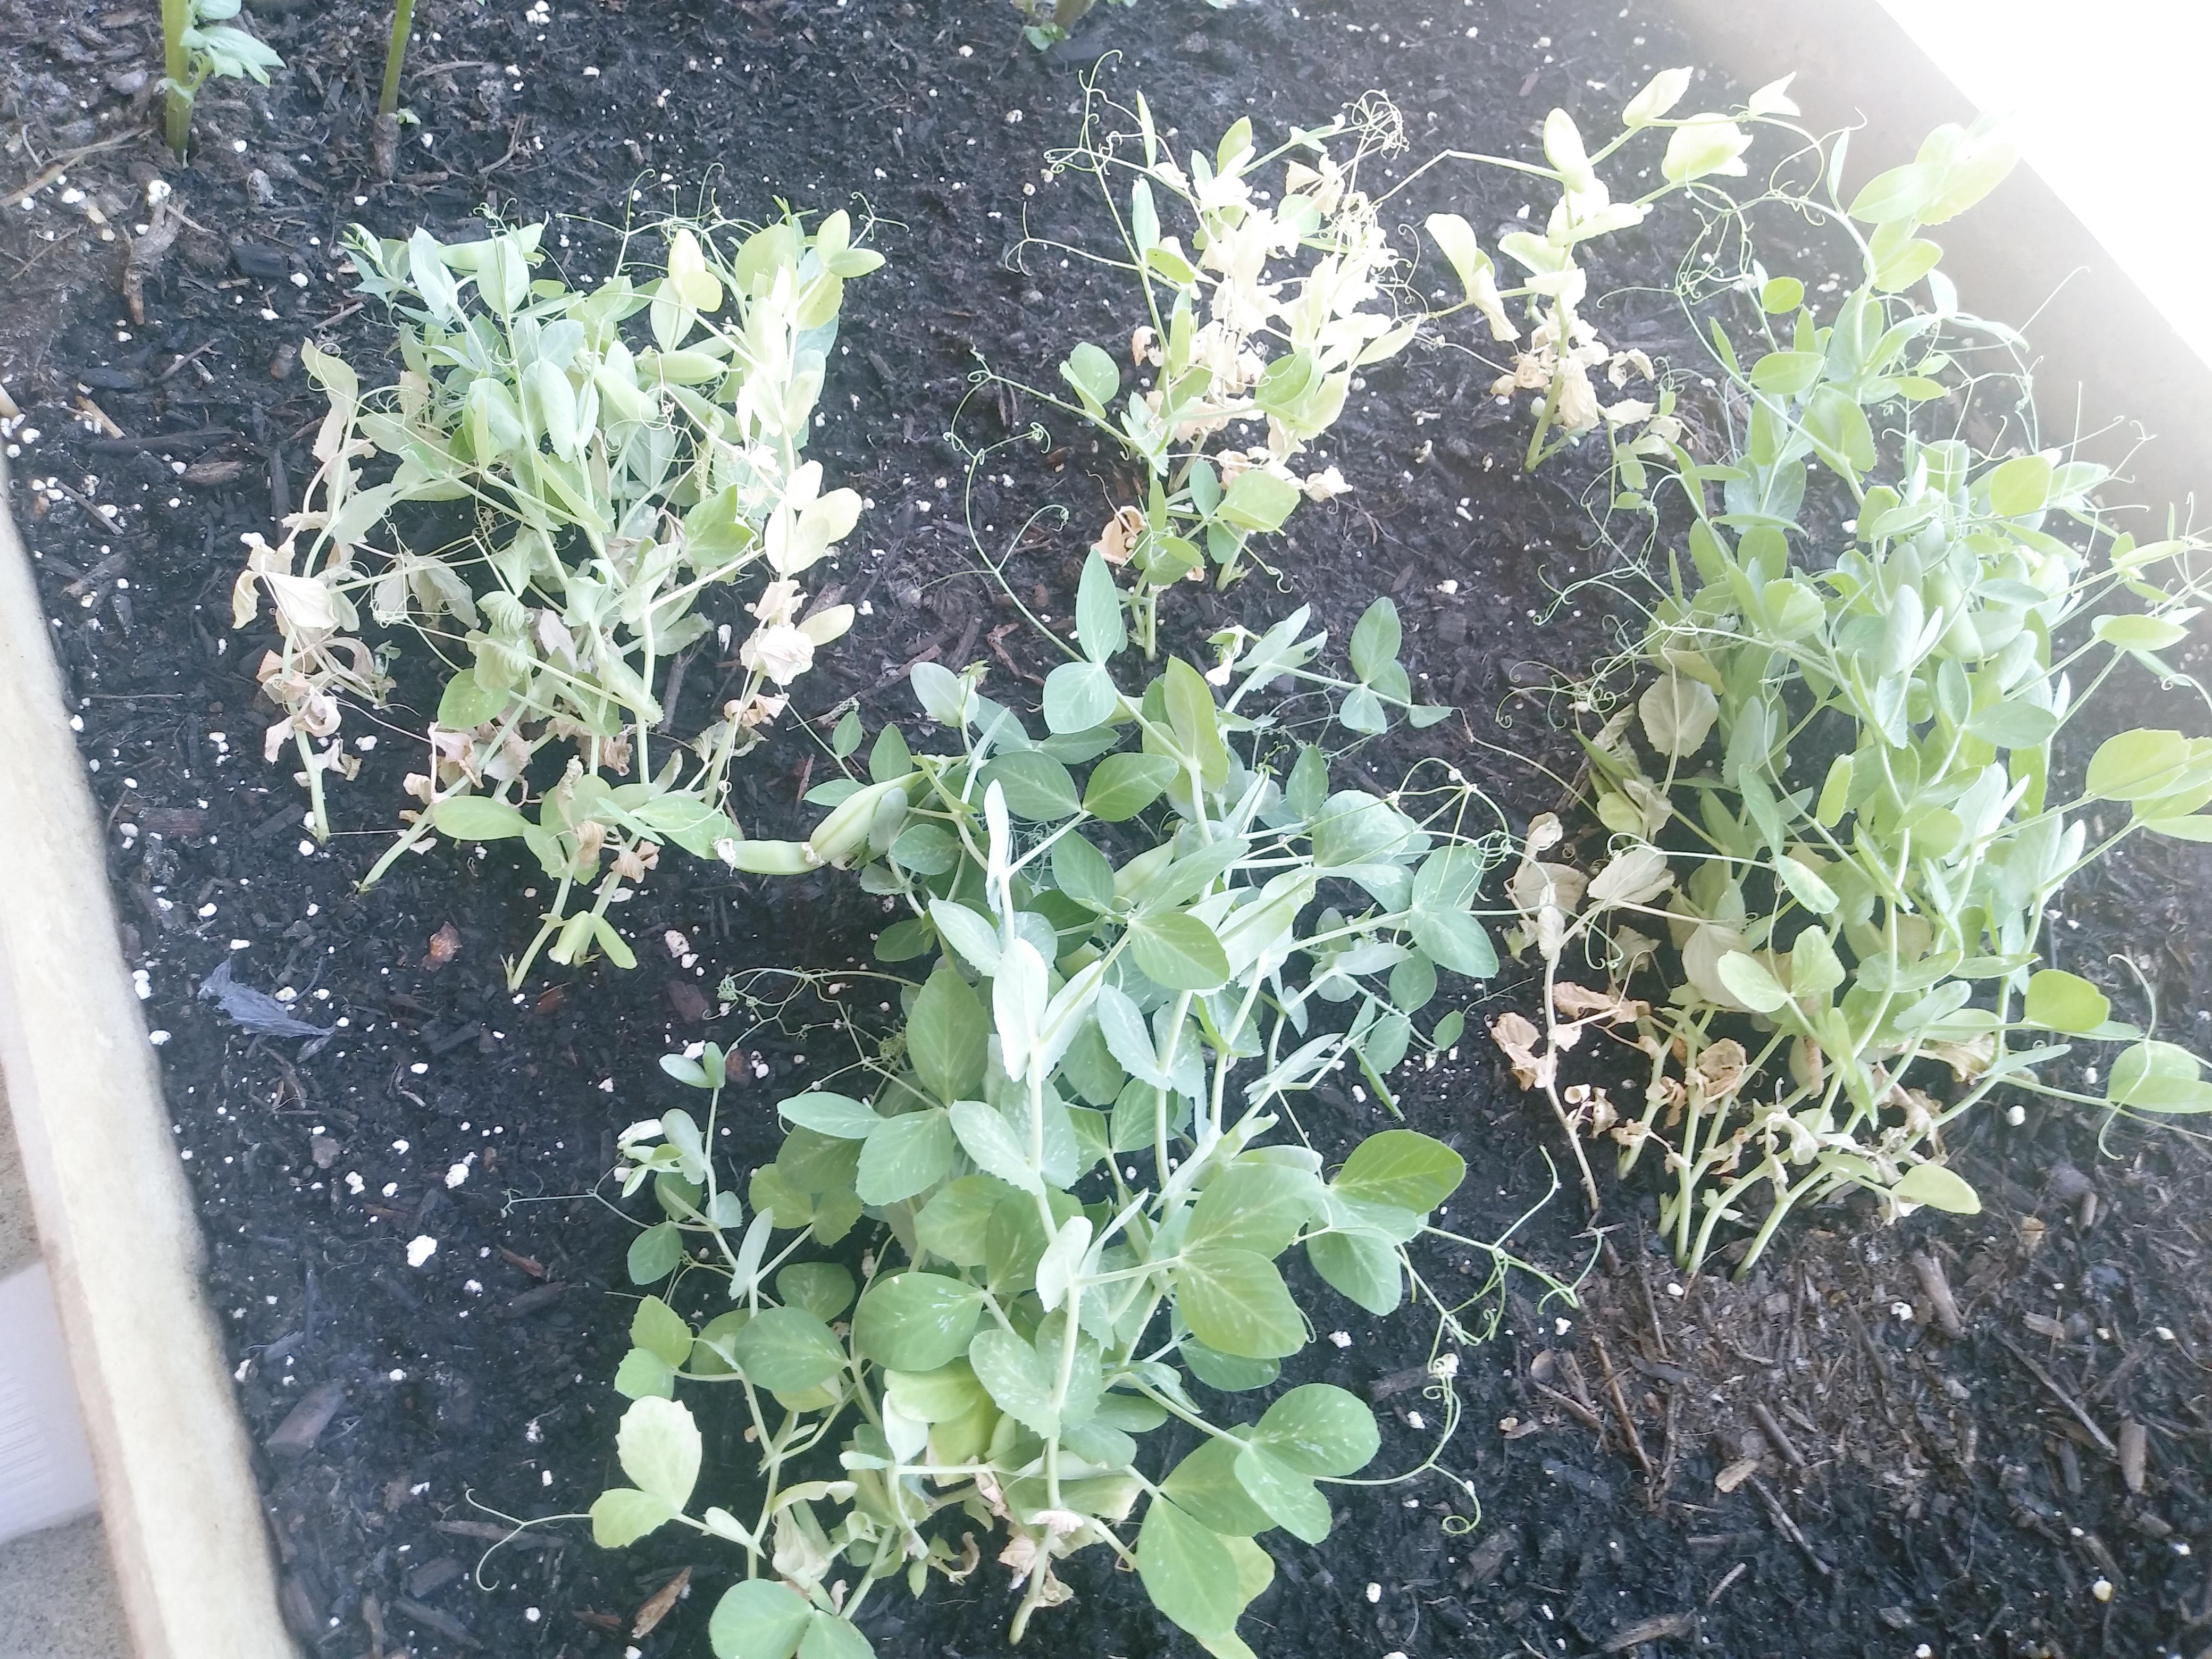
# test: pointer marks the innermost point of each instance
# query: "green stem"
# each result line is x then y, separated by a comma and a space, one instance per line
176, 17
395, 54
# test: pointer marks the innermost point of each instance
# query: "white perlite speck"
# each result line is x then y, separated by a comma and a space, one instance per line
420, 1249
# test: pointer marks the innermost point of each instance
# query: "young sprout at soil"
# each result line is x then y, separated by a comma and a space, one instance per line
612, 479
1834, 793
1563, 346
1047, 22
1067, 1160
1246, 341
199, 43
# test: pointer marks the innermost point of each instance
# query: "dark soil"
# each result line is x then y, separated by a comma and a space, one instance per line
1935, 1494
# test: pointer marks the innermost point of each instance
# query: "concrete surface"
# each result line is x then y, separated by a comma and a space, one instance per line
58, 1596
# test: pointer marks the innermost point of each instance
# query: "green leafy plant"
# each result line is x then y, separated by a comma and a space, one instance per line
1241, 360
1563, 347
1047, 22
1065, 1165
1834, 793
200, 43
610, 488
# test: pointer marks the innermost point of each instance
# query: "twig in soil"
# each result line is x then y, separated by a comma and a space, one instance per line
1620, 1409
513, 144
1789, 1528
2133, 1447
1772, 1430
1938, 1290
1660, 1628
1733, 1574
2080, 1413
335, 316
1574, 1408
196, 351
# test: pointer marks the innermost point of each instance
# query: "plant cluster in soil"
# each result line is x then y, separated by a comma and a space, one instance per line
1929, 1439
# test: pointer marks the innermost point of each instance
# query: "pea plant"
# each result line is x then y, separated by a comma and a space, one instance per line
1563, 349
1062, 1176
610, 488
1245, 339
1835, 793
198, 43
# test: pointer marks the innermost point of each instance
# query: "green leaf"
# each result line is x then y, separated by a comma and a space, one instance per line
654, 1253
1101, 629
1226, 1371
758, 1619
1079, 695
1037, 787
1253, 1206
1376, 640
1094, 375
1781, 294
1677, 713
967, 932
477, 818
1257, 500
1205, 1485
839, 1116
948, 1036
786, 1350
986, 1137
1938, 1189
466, 702
1403, 1169
1018, 1378
658, 1444
1362, 1265
1805, 885
1455, 941
828, 1636
2020, 487
1786, 374
2139, 632
1082, 871
822, 1288
623, 1515
2159, 1077
1750, 983
906, 1155
642, 1373
1320, 1430
2011, 725
659, 1328
1188, 1571
1178, 951
1236, 1301
2065, 1002
916, 1321
1290, 1500
2196, 827
1122, 785
2139, 765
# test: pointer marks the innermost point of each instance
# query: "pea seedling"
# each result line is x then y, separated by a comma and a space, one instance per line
199, 43
1066, 1158
1835, 793
612, 488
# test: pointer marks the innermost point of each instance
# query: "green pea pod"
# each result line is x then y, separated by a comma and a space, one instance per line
844, 835
768, 858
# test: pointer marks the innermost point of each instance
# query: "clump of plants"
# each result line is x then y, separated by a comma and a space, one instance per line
1265, 279
1834, 797
1069, 1175
547, 498
1563, 352
198, 43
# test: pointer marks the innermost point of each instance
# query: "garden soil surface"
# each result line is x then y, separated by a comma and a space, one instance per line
1821, 1460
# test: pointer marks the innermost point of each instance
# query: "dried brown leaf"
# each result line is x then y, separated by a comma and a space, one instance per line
659, 1604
